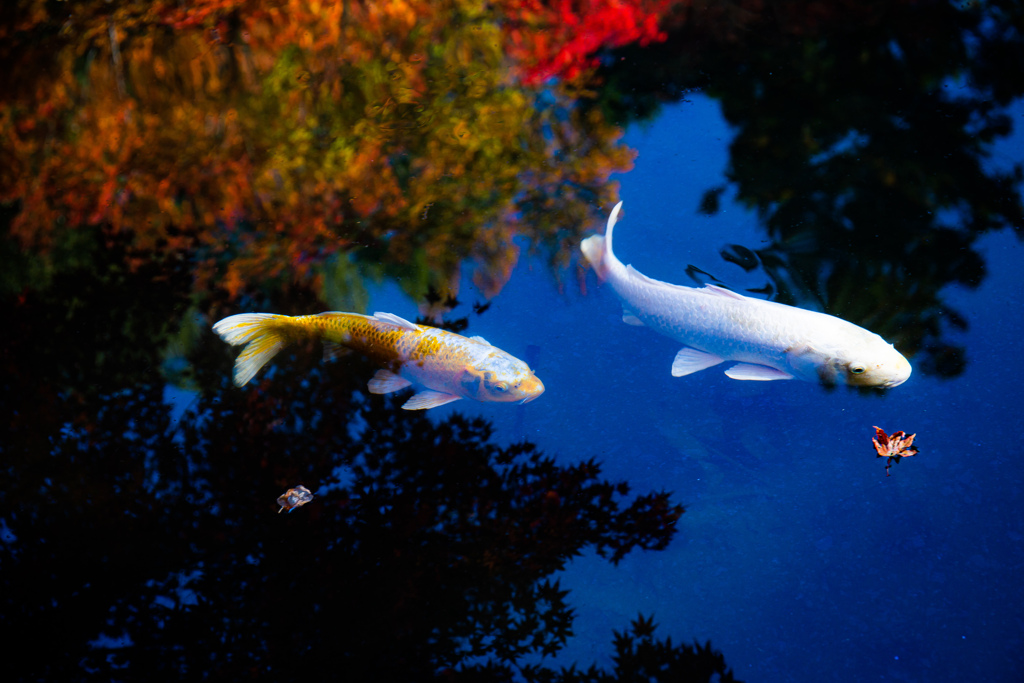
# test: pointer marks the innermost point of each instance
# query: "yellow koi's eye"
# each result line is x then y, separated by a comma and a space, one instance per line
501, 387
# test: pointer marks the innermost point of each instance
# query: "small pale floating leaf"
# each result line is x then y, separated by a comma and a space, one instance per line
293, 498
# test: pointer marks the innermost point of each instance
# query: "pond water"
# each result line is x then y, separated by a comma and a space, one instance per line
301, 157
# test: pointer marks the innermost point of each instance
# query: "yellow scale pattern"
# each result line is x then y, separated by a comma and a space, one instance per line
386, 344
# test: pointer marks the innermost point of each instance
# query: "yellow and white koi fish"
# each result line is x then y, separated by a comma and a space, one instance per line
769, 340
447, 365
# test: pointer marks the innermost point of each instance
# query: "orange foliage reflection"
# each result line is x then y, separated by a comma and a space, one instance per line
267, 138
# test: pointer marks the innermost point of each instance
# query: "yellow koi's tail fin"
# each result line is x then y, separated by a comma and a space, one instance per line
598, 249
264, 335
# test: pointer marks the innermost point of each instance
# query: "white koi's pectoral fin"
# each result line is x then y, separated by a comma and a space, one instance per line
333, 350
397, 321
429, 399
385, 382
756, 373
810, 362
630, 318
689, 361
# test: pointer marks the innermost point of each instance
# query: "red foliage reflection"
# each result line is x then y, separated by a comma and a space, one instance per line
559, 39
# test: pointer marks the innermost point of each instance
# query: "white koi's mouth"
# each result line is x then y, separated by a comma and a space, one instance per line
903, 375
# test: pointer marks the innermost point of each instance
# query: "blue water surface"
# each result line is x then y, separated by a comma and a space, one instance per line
797, 557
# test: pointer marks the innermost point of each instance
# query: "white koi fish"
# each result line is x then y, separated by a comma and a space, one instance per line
767, 340
447, 365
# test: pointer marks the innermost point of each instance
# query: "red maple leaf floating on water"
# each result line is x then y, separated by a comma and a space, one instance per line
894, 447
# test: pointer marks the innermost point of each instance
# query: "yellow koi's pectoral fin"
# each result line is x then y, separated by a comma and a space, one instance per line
756, 373
385, 382
429, 399
690, 360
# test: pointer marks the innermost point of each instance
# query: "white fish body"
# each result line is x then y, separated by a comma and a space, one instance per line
766, 340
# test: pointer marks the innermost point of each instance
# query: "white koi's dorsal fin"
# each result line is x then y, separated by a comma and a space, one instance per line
397, 321
711, 290
385, 381
756, 373
689, 361
630, 318
722, 291
481, 340
429, 399
634, 273
334, 350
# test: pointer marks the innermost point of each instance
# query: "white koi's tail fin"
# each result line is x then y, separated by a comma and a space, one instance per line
598, 249
593, 250
264, 334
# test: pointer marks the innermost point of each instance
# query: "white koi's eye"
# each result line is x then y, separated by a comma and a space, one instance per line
857, 370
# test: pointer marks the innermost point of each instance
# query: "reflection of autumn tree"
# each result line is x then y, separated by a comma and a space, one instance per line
863, 132
136, 541
272, 136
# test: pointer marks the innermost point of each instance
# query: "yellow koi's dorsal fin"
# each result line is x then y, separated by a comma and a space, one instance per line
429, 399
397, 321
481, 340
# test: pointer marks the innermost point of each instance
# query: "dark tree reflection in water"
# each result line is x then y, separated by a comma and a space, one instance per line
144, 544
